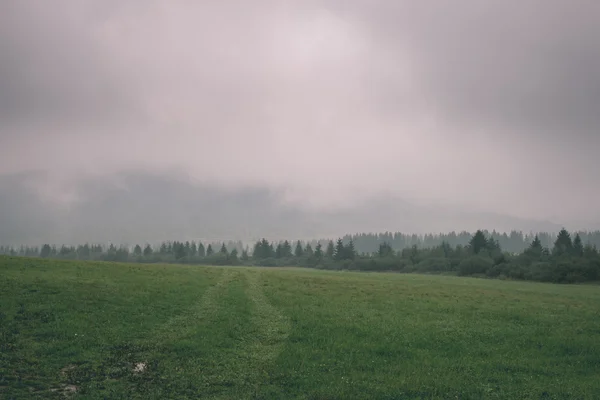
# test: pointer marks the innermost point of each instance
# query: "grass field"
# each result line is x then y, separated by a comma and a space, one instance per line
81, 329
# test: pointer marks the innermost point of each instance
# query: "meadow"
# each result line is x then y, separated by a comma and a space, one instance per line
96, 330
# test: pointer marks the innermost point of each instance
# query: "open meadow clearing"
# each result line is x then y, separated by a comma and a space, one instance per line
101, 330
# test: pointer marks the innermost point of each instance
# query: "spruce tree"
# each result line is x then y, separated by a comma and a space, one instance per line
339, 250
319, 251
478, 242
201, 250
577, 246
147, 250
329, 253
224, 250
299, 251
563, 243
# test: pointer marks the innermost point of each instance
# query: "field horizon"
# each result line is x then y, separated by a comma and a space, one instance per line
83, 329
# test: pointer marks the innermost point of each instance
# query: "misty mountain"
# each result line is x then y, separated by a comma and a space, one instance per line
141, 207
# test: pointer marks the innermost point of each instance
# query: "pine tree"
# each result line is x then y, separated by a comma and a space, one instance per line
245, 256
385, 250
224, 250
478, 242
279, 251
209, 251
309, 250
350, 252
339, 250
147, 250
179, 250
563, 243
299, 251
577, 246
319, 251
330, 252
201, 250
233, 256
46, 250
287, 249
536, 245
137, 250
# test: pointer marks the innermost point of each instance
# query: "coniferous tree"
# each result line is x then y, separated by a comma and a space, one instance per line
577, 246
563, 244
224, 250
245, 257
233, 256
279, 251
339, 250
308, 250
147, 250
46, 250
201, 250
319, 251
209, 250
286, 249
179, 250
350, 252
299, 251
137, 250
330, 251
478, 242
385, 250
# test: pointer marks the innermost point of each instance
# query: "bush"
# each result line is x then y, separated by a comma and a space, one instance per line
475, 265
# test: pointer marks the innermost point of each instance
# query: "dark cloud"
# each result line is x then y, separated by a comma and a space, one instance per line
139, 207
329, 103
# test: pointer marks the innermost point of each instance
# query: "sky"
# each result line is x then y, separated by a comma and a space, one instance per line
491, 106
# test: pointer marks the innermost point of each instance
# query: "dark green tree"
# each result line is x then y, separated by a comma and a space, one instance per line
201, 250
137, 250
279, 251
350, 251
563, 244
287, 249
330, 251
340, 251
147, 251
209, 251
577, 246
309, 250
233, 256
385, 250
319, 251
478, 242
298, 251
46, 250
224, 250
179, 250
245, 257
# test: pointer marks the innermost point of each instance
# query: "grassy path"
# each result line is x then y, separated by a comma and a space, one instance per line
269, 330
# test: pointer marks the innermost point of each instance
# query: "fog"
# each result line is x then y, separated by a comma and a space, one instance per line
334, 116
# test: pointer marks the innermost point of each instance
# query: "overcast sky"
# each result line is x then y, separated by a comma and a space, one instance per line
487, 104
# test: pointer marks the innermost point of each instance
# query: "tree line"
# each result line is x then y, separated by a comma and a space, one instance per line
566, 259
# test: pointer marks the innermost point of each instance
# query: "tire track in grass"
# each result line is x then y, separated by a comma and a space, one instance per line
206, 308
270, 331
138, 365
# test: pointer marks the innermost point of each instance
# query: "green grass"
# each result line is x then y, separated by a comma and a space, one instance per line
77, 329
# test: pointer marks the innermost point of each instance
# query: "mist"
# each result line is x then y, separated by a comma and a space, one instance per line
296, 118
